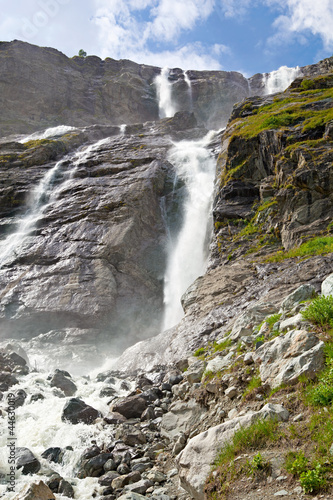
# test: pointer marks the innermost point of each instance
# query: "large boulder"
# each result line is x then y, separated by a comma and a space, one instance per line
26, 461
194, 462
180, 418
285, 358
303, 292
63, 382
35, 492
76, 411
131, 407
245, 323
327, 286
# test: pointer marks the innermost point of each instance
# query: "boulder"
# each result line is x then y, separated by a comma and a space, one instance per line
26, 461
35, 491
194, 462
131, 407
94, 467
7, 380
139, 487
285, 358
243, 326
66, 489
181, 417
76, 411
130, 435
292, 323
303, 292
63, 382
114, 418
219, 363
52, 454
327, 286
130, 495
195, 371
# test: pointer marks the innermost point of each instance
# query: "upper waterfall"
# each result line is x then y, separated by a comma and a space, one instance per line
280, 79
164, 94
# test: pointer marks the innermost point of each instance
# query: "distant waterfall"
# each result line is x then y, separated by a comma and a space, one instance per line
279, 80
49, 132
195, 166
46, 191
164, 94
189, 85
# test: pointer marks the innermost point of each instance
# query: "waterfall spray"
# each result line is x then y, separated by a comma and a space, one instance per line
164, 94
195, 166
189, 85
279, 80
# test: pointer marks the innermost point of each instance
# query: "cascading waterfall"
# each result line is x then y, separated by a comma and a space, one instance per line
195, 166
189, 85
46, 192
279, 80
164, 94
49, 132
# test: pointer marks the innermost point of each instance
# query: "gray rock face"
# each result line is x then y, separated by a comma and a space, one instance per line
194, 462
285, 358
180, 418
327, 286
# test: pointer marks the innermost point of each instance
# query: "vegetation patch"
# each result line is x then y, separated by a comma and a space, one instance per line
320, 311
316, 246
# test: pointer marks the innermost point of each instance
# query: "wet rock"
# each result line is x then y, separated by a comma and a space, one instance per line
37, 397
180, 418
19, 398
107, 392
7, 380
54, 481
36, 491
123, 469
63, 382
94, 467
131, 407
91, 452
66, 489
194, 462
110, 465
76, 410
26, 461
139, 487
106, 479
53, 454
285, 358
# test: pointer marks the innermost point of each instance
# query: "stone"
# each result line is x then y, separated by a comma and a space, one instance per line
244, 325
66, 489
248, 358
114, 418
139, 487
19, 398
231, 392
130, 435
292, 323
53, 454
35, 491
63, 382
106, 479
180, 390
123, 468
281, 493
195, 371
327, 286
219, 363
194, 462
76, 411
26, 461
156, 476
7, 380
110, 465
285, 358
94, 467
148, 414
303, 292
298, 418
175, 378
180, 418
130, 495
131, 407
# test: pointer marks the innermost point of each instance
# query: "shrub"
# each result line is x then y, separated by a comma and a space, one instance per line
320, 311
313, 480
296, 463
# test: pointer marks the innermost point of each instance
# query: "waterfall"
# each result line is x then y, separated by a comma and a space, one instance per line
195, 166
279, 80
122, 129
41, 196
189, 85
164, 94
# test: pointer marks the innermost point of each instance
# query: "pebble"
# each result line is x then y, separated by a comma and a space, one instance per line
281, 493
298, 418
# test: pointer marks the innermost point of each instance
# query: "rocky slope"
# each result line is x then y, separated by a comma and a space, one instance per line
80, 91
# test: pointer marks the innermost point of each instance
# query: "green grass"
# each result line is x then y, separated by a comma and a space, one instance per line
320, 311
316, 246
246, 439
254, 383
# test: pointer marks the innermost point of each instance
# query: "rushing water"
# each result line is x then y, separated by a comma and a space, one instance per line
164, 94
38, 426
49, 132
195, 166
189, 86
279, 80
41, 196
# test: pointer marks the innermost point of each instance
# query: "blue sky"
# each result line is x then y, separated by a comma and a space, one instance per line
250, 36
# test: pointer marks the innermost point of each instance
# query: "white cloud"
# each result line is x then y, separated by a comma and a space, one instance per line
123, 35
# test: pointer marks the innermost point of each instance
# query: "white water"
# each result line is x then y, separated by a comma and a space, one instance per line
50, 132
38, 426
187, 255
122, 128
41, 196
279, 80
164, 94
189, 85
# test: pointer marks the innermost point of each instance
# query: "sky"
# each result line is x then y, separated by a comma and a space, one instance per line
250, 36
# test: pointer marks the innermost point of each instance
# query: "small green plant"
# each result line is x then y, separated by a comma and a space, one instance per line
199, 352
322, 393
82, 53
296, 463
315, 246
271, 320
313, 480
254, 383
320, 311
258, 464
221, 346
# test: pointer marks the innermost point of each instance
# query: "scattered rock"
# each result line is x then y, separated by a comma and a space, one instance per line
26, 461
303, 292
63, 382
76, 411
244, 325
285, 358
327, 286
35, 492
180, 418
131, 407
